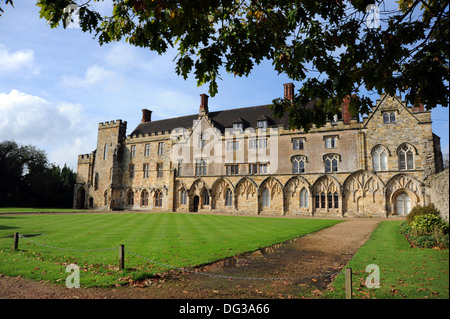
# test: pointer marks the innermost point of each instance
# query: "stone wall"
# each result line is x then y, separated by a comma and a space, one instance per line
439, 192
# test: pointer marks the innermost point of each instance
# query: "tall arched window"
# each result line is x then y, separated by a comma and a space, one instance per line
158, 199
265, 198
130, 198
205, 197
144, 198
405, 157
336, 200
105, 152
183, 197
379, 158
96, 178
304, 198
298, 164
229, 197
317, 201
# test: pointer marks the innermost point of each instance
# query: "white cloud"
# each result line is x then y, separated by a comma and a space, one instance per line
94, 75
121, 55
21, 60
125, 57
60, 129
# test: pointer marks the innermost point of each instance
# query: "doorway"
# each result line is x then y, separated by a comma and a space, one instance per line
196, 201
81, 197
403, 204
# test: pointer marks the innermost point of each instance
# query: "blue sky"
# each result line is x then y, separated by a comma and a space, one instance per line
56, 85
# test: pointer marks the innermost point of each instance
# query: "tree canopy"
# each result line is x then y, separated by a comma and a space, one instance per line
335, 49
28, 180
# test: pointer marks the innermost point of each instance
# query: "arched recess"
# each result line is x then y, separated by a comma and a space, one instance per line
219, 194
403, 184
246, 199
80, 202
363, 194
327, 195
180, 195
293, 202
200, 192
275, 205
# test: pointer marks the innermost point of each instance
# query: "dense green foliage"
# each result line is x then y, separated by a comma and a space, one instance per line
28, 180
425, 228
429, 209
404, 272
178, 240
334, 49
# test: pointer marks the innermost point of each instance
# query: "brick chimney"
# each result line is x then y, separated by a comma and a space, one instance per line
346, 115
418, 108
203, 104
289, 91
146, 116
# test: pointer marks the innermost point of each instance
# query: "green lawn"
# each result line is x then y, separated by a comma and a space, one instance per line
10, 210
181, 240
405, 272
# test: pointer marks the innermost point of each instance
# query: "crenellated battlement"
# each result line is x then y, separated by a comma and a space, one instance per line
111, 124
86, 158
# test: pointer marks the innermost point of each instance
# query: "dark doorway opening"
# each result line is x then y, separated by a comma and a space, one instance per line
195, 203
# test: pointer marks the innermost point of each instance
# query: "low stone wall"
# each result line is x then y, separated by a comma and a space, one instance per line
439, 192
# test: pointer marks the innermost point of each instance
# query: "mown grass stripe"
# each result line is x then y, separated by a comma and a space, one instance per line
181, 240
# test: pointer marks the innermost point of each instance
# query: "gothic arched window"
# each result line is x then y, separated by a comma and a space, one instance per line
405, 157
379, 158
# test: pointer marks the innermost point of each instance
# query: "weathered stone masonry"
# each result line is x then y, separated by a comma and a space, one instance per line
245, 161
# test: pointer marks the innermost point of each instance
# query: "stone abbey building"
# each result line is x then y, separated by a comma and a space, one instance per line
245, 161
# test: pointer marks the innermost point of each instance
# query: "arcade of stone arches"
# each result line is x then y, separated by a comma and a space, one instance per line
363, 193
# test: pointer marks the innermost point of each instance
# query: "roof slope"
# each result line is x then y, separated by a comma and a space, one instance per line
220, 119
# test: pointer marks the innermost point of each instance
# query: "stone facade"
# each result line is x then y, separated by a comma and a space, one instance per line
439, 192
244, 161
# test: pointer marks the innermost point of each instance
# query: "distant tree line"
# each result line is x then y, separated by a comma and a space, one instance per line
27, 179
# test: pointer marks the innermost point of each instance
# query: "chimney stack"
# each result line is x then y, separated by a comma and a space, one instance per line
289, 91
346, 115
418, 108
146, 116
203, 104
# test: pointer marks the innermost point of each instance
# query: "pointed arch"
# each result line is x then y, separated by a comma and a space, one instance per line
273, 184
406, 182
246, 196
199, 195
197, 185
294, 184
222, 193
363, 193
246, 186
327, 192
402, 184
297, 192
270, 197
326, 183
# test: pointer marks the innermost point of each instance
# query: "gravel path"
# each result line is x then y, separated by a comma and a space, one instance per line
309, 262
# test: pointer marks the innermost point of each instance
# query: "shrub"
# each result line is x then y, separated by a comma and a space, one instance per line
428, 224
419, 210
436, 237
